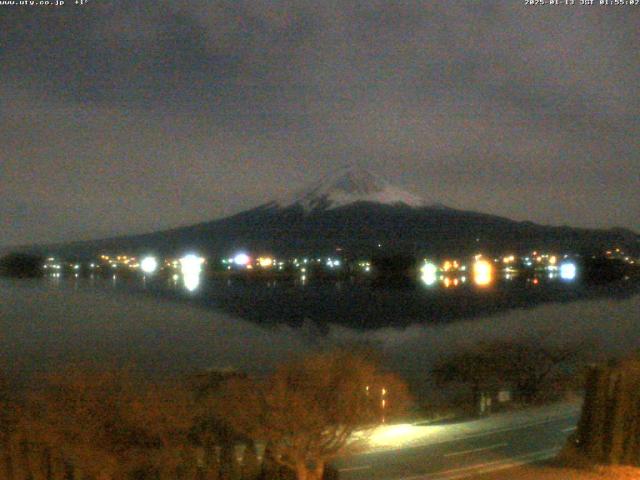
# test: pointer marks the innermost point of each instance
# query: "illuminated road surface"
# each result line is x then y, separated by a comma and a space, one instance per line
463, 450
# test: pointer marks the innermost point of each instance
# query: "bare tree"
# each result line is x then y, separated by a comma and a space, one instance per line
110, 424
308, 410
526, 367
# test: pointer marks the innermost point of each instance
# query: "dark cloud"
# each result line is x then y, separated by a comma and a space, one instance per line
124, 117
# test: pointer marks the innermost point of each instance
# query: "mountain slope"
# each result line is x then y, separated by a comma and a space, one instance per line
357, 211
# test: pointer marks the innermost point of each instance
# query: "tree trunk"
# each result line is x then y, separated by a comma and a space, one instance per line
7, 460
250, 465
70, 472
24, 451
228, 463
47, 463
318, 471
270, 467
609, 428
304, 472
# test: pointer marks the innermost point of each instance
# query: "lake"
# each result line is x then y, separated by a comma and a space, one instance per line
45, 323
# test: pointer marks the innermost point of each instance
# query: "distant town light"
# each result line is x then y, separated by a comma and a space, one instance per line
482, 273
429, 274
149, 264
331, 263
568, 271
241, 259
191, 264
265, 262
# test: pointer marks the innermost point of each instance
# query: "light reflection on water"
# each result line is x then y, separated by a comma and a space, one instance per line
358, 303
191, 276
191, 269
191, 281
68, 319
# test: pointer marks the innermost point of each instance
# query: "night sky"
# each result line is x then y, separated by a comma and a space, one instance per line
125, 117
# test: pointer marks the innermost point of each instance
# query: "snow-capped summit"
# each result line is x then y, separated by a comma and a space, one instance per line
351, 185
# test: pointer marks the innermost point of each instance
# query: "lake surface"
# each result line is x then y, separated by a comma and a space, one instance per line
44, 324
357, 304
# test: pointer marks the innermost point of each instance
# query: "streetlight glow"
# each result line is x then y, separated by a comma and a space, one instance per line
429, 274
568, 271
482, 273
241, 259
149, 265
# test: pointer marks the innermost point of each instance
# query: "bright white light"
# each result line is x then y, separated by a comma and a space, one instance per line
568, 271
191, 282
482, 273
429, 274
241, 259
149, 264
399, 436
190, 264
191, 267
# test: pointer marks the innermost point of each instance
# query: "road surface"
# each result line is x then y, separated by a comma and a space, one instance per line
462, 450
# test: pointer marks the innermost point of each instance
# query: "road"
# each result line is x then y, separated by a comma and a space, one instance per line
462, 450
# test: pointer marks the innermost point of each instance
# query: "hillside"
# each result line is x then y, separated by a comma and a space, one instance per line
362, 214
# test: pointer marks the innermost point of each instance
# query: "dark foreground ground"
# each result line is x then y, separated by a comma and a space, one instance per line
549, 472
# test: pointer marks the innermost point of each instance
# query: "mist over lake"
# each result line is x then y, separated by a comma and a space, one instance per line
44, 325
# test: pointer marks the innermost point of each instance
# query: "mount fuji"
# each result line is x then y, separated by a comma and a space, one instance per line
363, 214
351, 185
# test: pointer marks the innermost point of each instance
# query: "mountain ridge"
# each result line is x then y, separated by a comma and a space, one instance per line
355, 211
